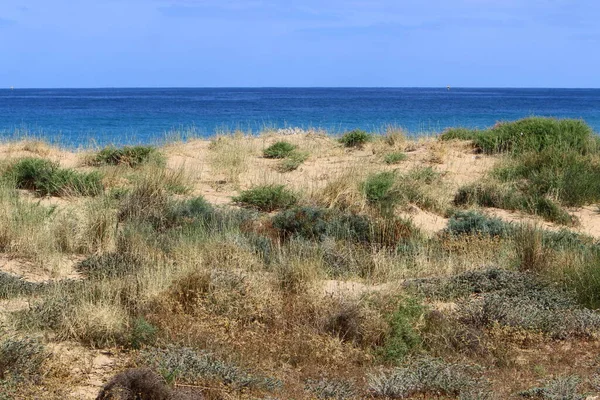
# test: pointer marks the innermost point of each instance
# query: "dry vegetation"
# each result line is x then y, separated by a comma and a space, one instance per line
208, 269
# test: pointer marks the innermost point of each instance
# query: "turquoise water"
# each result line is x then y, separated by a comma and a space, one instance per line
119, 116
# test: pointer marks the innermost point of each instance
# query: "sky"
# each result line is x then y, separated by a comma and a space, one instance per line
309, 43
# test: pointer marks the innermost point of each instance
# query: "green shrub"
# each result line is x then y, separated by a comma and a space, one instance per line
266, 198
21, 359
355, 138
509, 197
529, 134
379, 190
131, 156
459, 134
474, 223
306, 222
292, 161
279, 150
394, 158
403, 338
46, 178
143, 333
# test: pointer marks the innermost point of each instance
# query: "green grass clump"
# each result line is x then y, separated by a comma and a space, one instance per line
394, 158
279, 150
529, 134
131, 156
292, 161
46, 178
379, 190
355, 138
510, 197
474, 223
266, 198
403, 338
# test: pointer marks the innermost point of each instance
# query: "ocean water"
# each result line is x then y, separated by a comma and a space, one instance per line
76, 117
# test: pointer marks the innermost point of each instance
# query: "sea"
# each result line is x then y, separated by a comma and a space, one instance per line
99, 117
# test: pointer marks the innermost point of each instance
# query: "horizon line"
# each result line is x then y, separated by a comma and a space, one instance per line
9, 88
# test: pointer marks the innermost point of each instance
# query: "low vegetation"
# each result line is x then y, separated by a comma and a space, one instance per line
356, 138
46, 178
394, 158
131, 156
552, 164
334, 286
266, 198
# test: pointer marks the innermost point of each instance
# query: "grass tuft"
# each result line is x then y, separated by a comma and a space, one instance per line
356, 138
47, 179
132, 156
279, 150
267, 198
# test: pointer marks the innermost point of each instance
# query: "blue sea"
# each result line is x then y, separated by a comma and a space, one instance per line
75, 117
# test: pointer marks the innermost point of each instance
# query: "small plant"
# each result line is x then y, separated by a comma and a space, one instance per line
562, 388
292, 161
474, 223
46, 178
394, 158
378, 190
267, 198
131, 156
307, 222
355, 138
21, 359
424, 376
403, 338
142, 333
279, 150
12, 286
109, 265
325, 388
189, 365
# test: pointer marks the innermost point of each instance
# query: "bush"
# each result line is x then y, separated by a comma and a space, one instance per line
109, 265
292, 161
46, 178
279, 150
403, 338
379, 191
13, 286
427, 375
307, 222
562, 388
131, 156
190, 366
513, 299
21, 359
529, 134
266, 198
474, 223
355, 138
394, 158
142, 333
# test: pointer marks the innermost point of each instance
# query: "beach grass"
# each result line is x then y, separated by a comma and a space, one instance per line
215, 273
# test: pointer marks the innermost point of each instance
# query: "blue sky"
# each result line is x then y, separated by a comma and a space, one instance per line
140, 43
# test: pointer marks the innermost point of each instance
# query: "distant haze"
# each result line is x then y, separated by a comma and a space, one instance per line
235, 43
